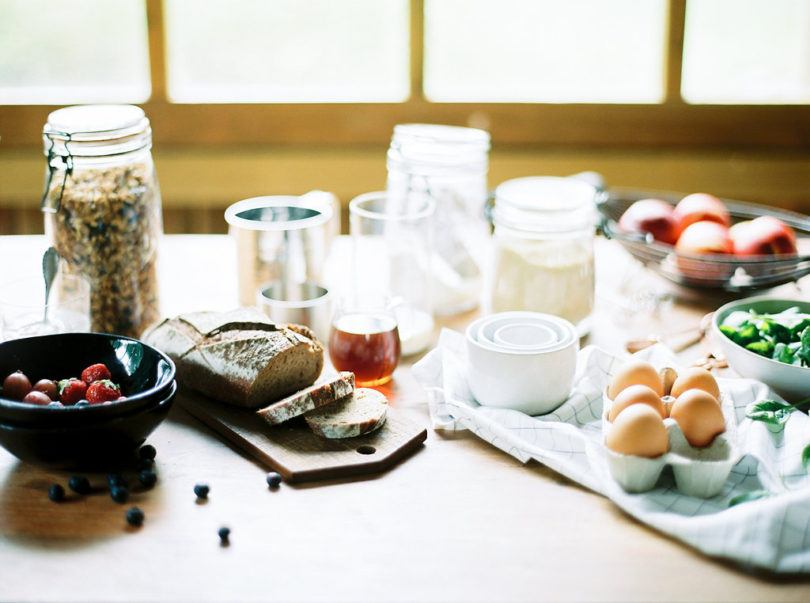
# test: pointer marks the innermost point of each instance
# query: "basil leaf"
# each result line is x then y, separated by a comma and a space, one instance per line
776, 331
769, 411
782, 353
806, 457
762, 347
749, 496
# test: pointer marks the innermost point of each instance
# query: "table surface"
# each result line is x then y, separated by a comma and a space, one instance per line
459, 520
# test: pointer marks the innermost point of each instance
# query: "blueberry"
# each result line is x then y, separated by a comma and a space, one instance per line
116, 479
201, 490
224, 535
147, 477
81, 403
147, 452
142, 464
56, 493
273, 479
134, 516
79, 484
119, 494
56, 404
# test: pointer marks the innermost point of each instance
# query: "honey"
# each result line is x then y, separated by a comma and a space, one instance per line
366, 344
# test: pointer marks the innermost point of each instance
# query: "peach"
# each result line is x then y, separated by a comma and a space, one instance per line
765, 235
704, 237
701, 207
652, 216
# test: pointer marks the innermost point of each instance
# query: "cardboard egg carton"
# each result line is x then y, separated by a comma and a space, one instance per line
699, 471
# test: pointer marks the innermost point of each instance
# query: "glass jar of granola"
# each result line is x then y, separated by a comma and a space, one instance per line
103, 210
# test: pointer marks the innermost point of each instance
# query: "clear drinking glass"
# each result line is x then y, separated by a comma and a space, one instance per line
364, 339
392, 254
23, 312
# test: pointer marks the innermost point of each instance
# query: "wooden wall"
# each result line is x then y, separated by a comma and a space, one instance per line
198, 184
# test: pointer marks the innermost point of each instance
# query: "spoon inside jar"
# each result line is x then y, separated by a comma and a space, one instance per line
50, 264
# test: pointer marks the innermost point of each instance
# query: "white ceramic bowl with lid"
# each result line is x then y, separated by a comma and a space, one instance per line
521, 360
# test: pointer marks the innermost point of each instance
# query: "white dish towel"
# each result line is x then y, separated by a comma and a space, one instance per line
771, 532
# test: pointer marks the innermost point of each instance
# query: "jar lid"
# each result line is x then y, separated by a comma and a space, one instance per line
277, 212
545, 204
439, 146
96, 130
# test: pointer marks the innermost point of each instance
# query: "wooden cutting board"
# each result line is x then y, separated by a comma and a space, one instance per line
296, 452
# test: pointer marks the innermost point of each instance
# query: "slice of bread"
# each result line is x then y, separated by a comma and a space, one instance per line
325, 391
362, 412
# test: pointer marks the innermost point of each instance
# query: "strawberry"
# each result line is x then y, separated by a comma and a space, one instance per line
95, 372
103, 391
71, 391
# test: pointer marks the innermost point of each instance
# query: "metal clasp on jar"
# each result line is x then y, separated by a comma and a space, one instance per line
67, 166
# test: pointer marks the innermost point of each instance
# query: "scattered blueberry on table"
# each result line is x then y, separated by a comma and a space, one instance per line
119, 494
147, 477
56, 493
79, 484
201, 491
134, 516
147, 452
273, 479
224, 535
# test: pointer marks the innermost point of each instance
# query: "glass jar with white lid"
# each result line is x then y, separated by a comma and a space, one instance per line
542, 250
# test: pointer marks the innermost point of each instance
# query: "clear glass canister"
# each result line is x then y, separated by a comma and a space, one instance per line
102, 210
448, 165
542, 249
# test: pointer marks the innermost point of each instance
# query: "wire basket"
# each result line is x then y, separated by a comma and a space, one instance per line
703, 271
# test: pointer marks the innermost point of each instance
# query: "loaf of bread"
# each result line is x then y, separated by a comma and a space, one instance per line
324, 391
362, 412
240, 357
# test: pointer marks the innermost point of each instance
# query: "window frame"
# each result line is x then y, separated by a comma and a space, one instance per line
672, 123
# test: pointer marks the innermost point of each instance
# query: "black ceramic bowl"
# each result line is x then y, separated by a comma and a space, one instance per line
144, 374
99, 441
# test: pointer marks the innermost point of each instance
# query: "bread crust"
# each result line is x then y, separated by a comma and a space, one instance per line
238, 357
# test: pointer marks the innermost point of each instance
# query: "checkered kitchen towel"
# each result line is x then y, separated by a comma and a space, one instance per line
771, 532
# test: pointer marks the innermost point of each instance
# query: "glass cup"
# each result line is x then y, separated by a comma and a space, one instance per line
364, 339
23, 312
392, 252
305, 304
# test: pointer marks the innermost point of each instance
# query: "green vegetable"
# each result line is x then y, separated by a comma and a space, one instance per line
806, 457
772, 411
749, 496
784, 337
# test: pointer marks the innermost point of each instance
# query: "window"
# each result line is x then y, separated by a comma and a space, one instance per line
73, 52
583, 51
287, 51
747, 51
337, 72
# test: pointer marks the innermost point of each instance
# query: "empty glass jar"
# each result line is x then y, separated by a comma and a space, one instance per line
448, 165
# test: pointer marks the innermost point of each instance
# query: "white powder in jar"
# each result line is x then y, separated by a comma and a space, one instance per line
551, 276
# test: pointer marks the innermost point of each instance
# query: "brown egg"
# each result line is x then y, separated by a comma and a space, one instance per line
636, 394
638, 430
635, 372
699, 416
696, 378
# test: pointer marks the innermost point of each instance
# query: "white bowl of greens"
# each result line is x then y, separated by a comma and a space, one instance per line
768, 339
